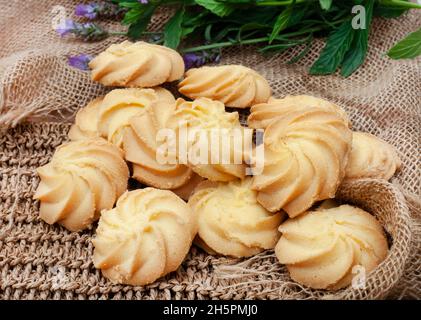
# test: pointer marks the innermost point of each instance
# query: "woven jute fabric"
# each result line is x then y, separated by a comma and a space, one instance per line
39, 261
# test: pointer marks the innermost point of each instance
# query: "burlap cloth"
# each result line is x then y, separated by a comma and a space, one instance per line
39, 261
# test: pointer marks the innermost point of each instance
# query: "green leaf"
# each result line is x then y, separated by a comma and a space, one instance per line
173, 30
223, 34
208, 33
128, 4
132, 16
325, 4
277, 47
185, 31
136, 29
221, 9
356, 54
192, 21
239, 1
251, 26
303, 53
263, 15
388, 12
334, 51
407, 48
281, 23
297, 16
400, 4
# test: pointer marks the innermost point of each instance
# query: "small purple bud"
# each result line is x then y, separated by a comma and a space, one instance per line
143, 1
80, 62
66, 27
88, 11
191, 60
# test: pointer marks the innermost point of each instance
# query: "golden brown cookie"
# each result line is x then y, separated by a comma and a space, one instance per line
138, 64
120, 105
234, 85
83, 178
142, 149
371, 157
323, 248
231, 221
146, 236
109, 116
86, 121
306, 152
203, 117
264, 113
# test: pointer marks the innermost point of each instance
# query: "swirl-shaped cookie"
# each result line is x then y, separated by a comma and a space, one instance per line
120, 105
234, 85
83, 178
371, 157
306, 152
231, 221
321, 248
141, 149
109, 116
147, 235
264, 113
205, 123
86, 121
138, 64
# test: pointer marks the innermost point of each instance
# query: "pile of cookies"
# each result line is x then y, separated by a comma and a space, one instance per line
144, 234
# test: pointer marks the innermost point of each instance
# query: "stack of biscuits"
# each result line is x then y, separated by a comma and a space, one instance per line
229, 209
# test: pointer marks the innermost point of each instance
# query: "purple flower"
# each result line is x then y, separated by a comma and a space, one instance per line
80, 62
87, 31
192, 60
65, 28
143, 1
89, 11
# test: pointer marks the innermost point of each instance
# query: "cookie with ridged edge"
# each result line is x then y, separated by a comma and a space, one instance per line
262, 114
203, 118
142, 148
138, 64
321, 248
306, 152
146, 236
234, 85
82, 178
231, 221
371, 157
109, 116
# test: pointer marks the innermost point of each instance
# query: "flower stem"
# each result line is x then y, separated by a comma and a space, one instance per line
400, 4
224, 44
124, 33
259, 40
117, 33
